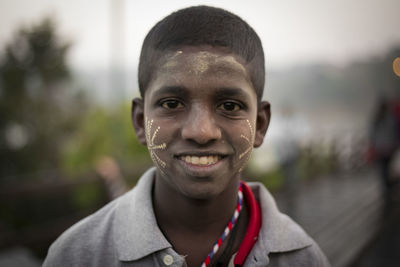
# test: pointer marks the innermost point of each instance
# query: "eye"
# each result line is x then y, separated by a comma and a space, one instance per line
171, 104
230, 106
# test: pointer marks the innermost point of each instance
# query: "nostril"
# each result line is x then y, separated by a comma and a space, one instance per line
203, 134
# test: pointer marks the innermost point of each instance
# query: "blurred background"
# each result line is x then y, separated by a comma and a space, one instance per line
68, 71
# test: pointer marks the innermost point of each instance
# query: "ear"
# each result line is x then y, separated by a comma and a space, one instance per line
262, 123
137, 114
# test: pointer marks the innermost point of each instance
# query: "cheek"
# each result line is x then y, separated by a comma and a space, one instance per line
154, 145
245, 141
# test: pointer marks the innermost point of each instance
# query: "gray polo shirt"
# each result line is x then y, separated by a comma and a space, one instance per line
125, 233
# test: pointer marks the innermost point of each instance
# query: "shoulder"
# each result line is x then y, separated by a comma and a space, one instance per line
281, 240
109, 234
96, 238
81, 242
310, 256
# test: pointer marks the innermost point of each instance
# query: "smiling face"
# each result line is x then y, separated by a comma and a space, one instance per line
200, 114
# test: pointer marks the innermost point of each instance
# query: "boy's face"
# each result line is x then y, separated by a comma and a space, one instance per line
200, 120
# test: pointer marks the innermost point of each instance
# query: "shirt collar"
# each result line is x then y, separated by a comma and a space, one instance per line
135, 227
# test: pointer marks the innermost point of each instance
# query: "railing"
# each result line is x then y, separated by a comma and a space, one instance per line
341, 212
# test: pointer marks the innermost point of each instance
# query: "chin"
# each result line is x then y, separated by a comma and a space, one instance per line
201, 191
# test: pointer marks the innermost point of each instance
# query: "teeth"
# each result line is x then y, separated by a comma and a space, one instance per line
195, 160
204, 160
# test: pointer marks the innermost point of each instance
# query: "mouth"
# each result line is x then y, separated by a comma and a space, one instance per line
205, 160
202, 163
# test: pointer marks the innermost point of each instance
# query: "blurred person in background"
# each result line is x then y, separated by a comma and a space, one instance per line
385, 142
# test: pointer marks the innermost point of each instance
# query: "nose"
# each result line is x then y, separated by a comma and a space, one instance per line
200, 126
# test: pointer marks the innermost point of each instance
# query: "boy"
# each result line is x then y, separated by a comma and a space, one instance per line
201, 78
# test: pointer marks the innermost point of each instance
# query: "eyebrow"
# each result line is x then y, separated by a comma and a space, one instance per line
231, 92
172, 90
182, 91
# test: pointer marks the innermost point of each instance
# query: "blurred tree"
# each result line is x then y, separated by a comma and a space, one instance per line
105, 133
39, 108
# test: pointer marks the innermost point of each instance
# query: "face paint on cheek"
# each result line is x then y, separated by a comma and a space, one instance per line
248, 148
249, 140
152, 147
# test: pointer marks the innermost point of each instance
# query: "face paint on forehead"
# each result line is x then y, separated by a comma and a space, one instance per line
171, 62
152, 147
201, 61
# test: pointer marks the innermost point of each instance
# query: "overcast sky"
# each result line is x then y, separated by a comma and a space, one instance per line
292, 31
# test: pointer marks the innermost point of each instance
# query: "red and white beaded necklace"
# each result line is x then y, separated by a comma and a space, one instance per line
228, 228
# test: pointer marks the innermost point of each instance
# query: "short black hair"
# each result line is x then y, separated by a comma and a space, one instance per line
203, 25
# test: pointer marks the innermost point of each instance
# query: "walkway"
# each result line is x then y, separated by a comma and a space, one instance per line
342, 212
384, 251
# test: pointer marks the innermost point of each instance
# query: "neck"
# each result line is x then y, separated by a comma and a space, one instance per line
173, 209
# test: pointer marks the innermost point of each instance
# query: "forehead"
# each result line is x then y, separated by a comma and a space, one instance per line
201, 68
202, 61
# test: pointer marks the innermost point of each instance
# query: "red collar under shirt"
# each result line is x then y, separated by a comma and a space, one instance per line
253, 227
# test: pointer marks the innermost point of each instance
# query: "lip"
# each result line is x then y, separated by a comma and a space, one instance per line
201, 153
